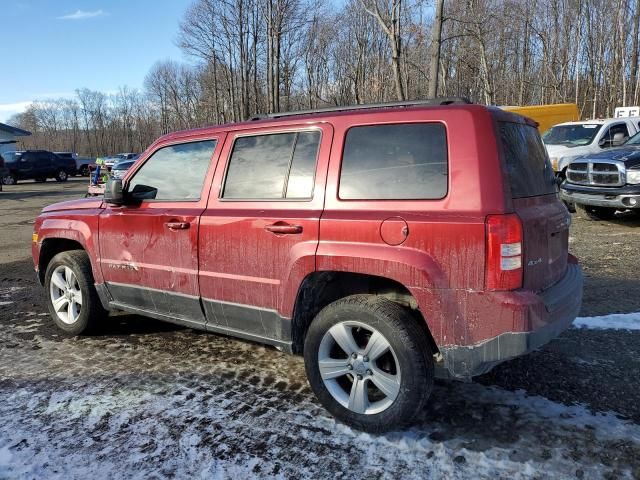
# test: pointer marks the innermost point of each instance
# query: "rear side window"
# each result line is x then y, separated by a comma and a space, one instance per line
395, 162
530, 173
272, 167
174, 173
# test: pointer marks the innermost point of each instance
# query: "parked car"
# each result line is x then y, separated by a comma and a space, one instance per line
4, 171
82, 164
111, 161
605, 182
37, 165
567, 141
119, 170
386, 243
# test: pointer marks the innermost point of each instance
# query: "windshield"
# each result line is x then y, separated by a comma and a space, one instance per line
635, 140
571, 135
11, 157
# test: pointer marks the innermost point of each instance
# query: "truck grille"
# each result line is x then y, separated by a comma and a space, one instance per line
604, 174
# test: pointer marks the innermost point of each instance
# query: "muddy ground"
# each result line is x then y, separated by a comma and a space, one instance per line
145, 399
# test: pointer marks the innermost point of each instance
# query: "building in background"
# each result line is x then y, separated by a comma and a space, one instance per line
8, 137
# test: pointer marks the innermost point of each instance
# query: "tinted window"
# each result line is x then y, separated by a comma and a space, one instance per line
395, 162
272, 166
173, 173
303, 165
530, 172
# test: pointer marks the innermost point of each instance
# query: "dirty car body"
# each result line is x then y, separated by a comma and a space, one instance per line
478, 255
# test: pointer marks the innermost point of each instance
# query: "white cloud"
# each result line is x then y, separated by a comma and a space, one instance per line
9, 109
82, 15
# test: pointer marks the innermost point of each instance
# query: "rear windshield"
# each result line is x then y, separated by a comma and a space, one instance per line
530, 172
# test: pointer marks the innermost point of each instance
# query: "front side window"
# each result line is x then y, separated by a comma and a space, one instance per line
395, 162
608, 139
174, 173
272, 167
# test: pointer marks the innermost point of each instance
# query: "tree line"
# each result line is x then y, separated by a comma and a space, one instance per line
247, 57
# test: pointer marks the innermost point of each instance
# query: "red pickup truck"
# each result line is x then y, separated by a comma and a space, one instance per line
388, 244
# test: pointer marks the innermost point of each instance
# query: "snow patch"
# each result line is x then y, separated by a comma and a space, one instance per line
616, 321
5, 303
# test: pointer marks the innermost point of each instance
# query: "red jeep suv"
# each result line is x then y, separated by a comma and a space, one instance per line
387, 243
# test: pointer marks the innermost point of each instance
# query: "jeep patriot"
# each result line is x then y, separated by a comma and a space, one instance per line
388, 244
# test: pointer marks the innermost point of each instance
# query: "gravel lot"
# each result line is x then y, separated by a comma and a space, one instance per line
150, 400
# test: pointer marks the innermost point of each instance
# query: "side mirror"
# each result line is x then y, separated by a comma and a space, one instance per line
618, 139
113, 193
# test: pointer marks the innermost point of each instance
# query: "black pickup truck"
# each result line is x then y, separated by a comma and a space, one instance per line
36, 165
605, 182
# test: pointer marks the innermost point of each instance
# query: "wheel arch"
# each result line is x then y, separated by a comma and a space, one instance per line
52, 247
321, 288
59, 234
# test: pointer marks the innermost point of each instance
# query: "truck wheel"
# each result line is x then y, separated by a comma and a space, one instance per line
369, 363
61, 176
72, 298
9, 179
598, 213
84, 170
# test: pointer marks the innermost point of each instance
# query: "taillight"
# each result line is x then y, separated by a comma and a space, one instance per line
504, 252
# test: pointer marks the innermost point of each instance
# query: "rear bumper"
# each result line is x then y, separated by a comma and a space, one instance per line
561, 305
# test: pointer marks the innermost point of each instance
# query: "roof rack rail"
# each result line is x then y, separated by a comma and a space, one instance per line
412, 103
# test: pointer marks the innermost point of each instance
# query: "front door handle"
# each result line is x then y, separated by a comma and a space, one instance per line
283, 228
177, 225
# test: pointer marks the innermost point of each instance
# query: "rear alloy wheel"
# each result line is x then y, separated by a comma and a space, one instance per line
72, 298
9, 180
598, 213
61, 176
84, 171
369, 363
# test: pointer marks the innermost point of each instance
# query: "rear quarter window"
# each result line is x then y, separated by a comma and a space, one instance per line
528, 167
395, 162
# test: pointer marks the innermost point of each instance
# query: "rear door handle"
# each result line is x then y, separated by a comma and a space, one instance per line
177, 225
283, 229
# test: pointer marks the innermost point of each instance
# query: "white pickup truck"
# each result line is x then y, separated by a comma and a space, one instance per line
567, 141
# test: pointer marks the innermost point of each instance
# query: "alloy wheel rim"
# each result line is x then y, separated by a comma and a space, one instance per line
359, 367
8, 180
65, 293
62, 175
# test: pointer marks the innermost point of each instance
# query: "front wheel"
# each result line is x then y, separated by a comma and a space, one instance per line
598, 213
9, 179
72, 298
61, 176
369, 363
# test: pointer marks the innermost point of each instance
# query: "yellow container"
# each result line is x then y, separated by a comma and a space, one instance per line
548, 115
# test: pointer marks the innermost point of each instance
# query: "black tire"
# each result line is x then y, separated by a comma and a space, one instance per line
412, 352
61, 176
10, 179
92, 314
84, 171
598, 213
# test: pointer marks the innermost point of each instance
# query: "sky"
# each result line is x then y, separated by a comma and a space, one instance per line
50, 48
